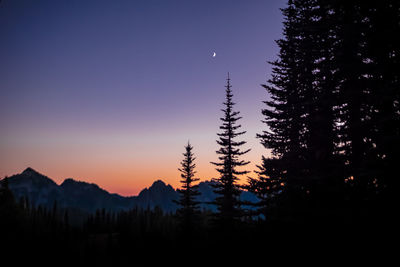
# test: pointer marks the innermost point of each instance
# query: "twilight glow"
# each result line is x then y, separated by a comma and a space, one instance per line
110, 92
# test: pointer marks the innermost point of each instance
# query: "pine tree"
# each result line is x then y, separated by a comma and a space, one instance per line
367, 73
349, 67
189, 207
333, 111
300, 115
286, 112
226, 186
324, 161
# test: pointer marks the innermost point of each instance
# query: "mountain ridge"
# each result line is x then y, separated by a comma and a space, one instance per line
89, 197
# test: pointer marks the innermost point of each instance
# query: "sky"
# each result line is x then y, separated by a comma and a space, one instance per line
109, 92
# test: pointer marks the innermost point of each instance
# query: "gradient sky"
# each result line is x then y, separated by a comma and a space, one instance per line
109, 92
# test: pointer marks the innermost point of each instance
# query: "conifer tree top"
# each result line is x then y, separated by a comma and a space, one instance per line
226, 187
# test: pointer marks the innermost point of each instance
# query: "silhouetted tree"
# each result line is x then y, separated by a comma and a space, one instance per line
287, 110
333, 114
367, 62
189, 207
353, 91
226, 186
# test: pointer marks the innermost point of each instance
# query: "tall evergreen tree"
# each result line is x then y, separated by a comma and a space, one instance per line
286, 113
300, 115
189, 207
333, 111
226, 186
325, 163
349, 69
366, 63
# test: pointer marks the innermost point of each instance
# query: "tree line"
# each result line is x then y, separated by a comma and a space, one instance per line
332, 127
332, 119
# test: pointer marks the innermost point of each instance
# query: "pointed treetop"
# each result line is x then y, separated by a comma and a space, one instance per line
228, 85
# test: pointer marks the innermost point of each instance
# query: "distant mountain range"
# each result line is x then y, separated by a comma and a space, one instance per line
87, 197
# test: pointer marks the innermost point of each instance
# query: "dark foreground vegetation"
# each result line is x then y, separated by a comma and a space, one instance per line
146, 237
329, 188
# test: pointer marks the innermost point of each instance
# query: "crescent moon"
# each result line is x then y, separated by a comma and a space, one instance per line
214, 54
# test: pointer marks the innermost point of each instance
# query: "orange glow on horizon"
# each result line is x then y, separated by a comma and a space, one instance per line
121, 179
117, 163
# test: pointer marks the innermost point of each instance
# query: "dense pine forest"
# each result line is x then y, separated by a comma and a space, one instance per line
332, 124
